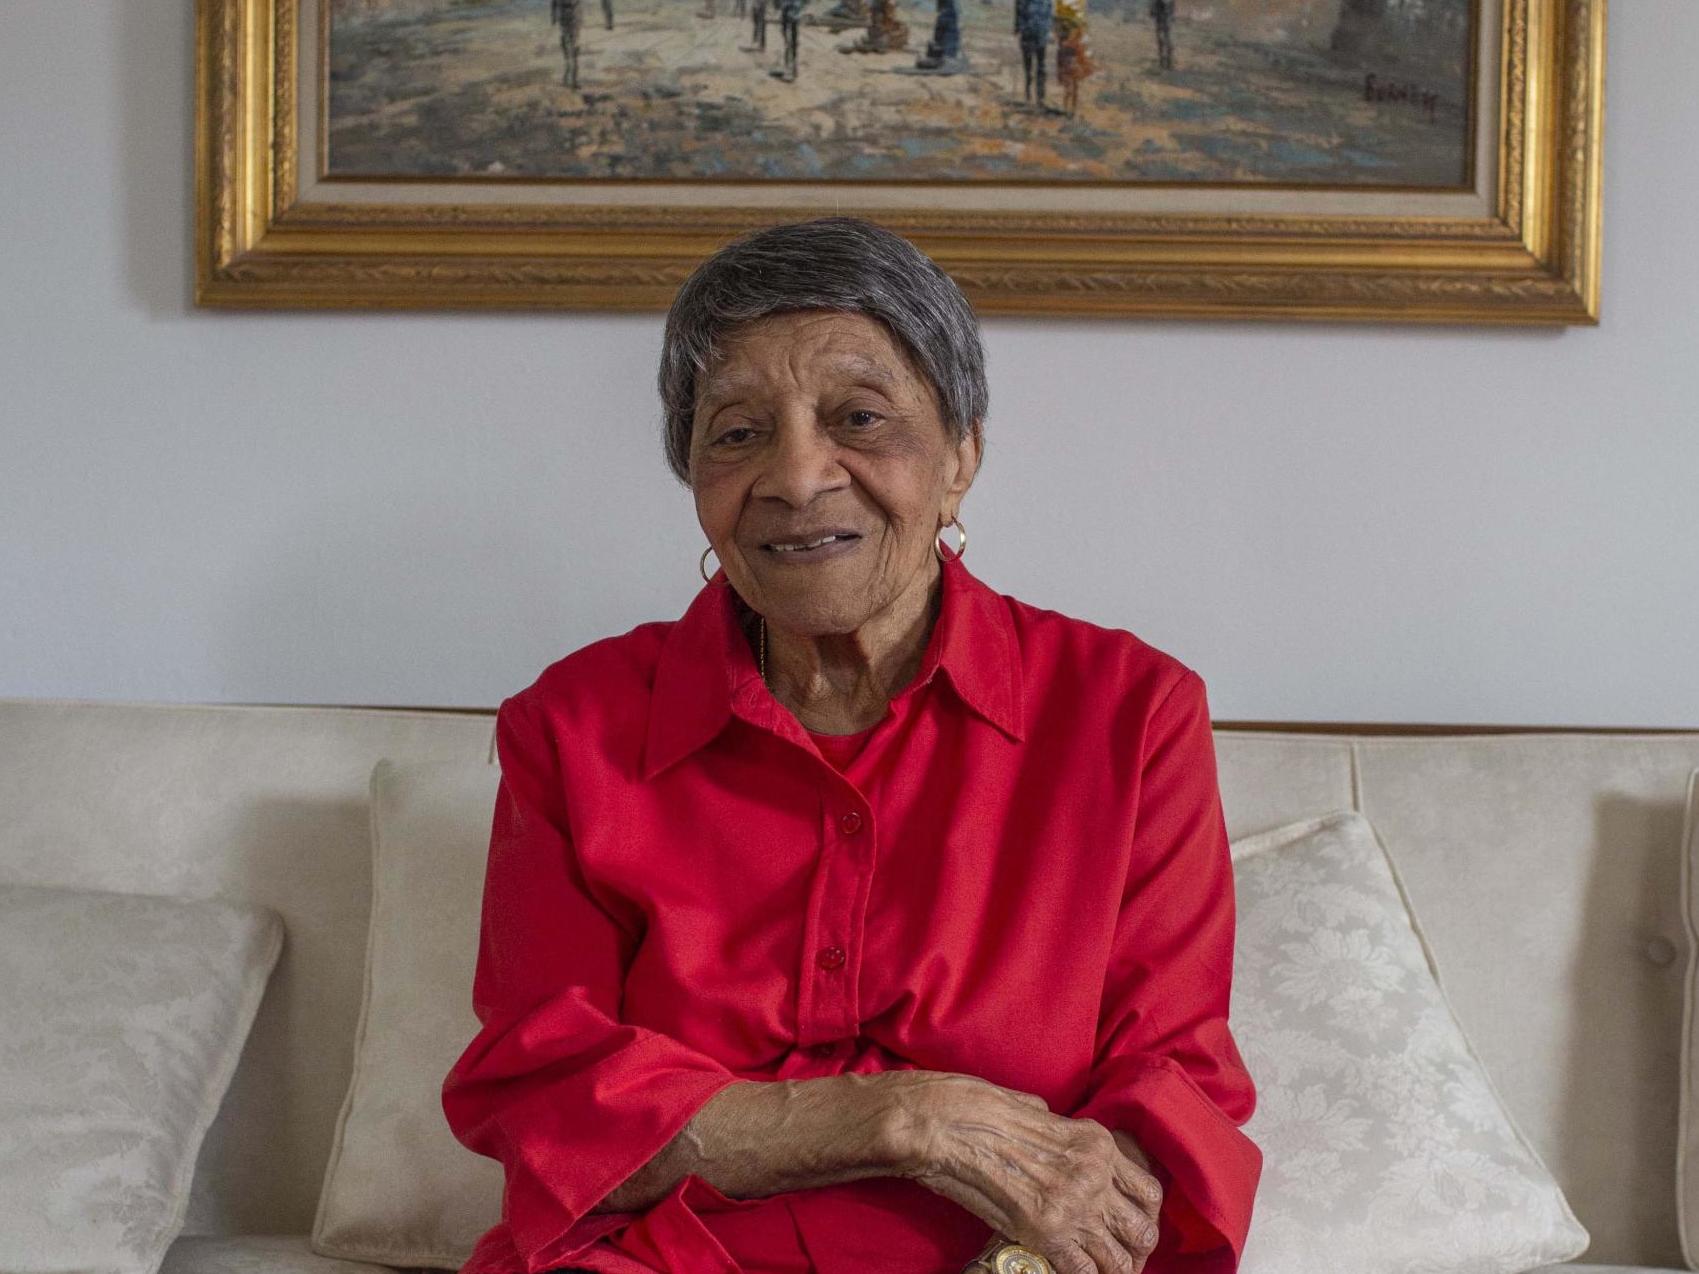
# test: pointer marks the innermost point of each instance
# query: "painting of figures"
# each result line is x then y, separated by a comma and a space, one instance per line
1308, 93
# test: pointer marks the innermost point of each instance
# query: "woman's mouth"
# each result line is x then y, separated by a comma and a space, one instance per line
815, 548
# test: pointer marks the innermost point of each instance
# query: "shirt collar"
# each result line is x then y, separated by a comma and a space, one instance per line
706, 670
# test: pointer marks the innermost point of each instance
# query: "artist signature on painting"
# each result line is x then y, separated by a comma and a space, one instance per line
1425, 100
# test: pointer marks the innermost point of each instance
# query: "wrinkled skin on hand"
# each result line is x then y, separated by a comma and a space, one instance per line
1071, 1189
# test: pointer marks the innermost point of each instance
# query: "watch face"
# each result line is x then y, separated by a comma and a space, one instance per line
1015, 1259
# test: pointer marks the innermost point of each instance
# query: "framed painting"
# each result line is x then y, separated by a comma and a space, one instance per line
1414, 160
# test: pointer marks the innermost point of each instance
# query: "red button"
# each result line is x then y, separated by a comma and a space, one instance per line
850, 823
831, 957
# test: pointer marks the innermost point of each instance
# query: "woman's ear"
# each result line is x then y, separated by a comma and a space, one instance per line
969, 448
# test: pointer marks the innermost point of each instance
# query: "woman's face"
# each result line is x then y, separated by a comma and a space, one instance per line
814, 424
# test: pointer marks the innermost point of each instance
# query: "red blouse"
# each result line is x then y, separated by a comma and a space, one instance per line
1021, 874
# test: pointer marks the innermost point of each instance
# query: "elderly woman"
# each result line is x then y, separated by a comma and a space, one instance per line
863, 918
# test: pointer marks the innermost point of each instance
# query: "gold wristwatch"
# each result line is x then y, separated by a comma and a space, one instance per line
1001, 1256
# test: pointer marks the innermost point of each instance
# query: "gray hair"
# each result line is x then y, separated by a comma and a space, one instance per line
829, 263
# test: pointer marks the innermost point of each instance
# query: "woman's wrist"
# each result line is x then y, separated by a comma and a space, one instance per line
909, 1104
860, 1124
897, 1114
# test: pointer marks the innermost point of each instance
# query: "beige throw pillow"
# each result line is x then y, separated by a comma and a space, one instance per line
122, 1017
1386, 1148
399, 1189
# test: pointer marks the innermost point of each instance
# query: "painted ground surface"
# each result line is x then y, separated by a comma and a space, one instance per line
475, 89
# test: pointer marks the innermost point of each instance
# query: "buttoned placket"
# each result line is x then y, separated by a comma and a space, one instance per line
828, 1009
829, 1021
828, 1012
835, 911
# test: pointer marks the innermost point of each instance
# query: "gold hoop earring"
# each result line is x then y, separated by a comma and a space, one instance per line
961, 540
702, 565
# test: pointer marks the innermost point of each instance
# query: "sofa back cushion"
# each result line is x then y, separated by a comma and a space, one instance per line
1545, 869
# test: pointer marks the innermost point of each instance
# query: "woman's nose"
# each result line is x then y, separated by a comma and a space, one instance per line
801, 463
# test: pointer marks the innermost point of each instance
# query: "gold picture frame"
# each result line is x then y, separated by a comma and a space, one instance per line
270, 234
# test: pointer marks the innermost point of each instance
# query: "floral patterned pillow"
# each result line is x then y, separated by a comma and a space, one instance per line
1386, 1149
121, 1020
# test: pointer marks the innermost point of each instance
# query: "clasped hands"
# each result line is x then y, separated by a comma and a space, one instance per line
1077, 1193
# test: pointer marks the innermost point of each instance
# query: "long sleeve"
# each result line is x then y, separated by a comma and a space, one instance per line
567, 1097
1166, 1069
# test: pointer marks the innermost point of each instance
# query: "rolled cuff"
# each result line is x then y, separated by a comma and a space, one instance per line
1208, 1166
576, 1133
575, 1153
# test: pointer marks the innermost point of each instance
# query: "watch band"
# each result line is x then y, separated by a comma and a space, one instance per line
1002, 1256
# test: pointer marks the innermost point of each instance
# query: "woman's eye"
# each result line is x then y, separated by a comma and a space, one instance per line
872, 417
735, 434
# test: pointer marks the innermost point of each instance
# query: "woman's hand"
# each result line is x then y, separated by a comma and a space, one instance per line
1070, 1189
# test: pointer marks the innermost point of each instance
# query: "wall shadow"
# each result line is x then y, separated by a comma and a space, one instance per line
156, 159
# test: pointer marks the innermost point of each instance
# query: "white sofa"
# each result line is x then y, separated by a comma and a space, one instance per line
1543, 865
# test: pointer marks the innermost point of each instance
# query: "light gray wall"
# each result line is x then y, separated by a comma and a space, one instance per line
1327, 522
